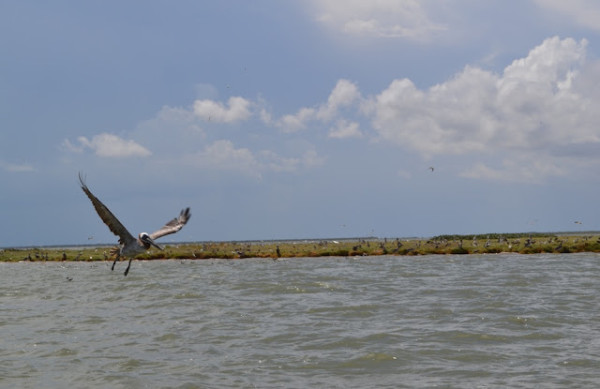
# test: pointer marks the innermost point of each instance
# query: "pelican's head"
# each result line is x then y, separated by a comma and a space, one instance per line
147, 241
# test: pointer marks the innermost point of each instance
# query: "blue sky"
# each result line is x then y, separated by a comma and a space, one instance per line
299, 119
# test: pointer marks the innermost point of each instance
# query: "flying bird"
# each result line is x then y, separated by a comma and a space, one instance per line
130, 246
431, 168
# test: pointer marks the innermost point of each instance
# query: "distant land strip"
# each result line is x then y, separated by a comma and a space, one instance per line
527, 243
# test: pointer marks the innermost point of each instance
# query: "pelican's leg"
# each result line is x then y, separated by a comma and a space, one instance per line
115, 261
128, 265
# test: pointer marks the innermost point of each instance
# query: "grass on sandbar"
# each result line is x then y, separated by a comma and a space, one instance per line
442, 245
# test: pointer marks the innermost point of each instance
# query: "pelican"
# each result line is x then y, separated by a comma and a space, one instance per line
130, 246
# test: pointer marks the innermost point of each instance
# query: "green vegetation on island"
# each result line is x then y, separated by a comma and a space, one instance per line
444, 244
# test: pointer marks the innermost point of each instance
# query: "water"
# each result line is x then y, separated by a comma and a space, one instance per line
446, 321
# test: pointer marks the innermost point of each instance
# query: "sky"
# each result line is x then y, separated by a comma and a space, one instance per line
298, 119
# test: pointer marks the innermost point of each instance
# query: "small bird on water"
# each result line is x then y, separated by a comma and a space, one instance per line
130, 246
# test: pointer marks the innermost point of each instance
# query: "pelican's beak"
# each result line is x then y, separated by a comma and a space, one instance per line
154, 244
149, 240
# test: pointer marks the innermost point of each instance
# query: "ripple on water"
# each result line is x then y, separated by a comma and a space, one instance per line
495, 321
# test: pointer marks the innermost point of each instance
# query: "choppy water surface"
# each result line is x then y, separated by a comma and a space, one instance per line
449, 321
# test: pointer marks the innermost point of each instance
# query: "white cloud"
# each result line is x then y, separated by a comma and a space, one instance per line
265, 116
169, 129
274, 162
406, 19
344, 95
223, 155
311, 158
345, 129
108, 145
585, 13
238, 109
175, 115
533, 108
293, 123
16, 168
520, 169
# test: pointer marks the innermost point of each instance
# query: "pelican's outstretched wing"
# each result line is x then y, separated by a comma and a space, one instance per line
174, 225
106, 215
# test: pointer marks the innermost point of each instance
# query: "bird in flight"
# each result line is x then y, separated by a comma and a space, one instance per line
130, 246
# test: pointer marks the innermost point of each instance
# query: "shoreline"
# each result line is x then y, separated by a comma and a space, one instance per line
530, 243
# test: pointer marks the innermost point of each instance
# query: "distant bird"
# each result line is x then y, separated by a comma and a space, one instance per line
431, 168
130, 246
578, 222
